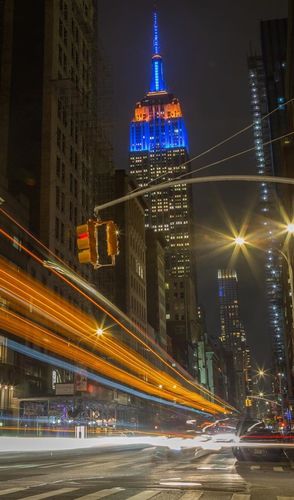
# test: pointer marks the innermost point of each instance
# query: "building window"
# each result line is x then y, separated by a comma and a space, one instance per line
56, 228
63, 173
57, 197
62, 202
58, 166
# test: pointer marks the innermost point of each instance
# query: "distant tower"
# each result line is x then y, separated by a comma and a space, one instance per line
232, 335
159, 151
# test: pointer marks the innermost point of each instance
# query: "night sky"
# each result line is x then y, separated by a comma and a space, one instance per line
204, 44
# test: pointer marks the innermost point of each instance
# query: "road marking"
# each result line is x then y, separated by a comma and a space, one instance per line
11, 490
49, 465
191, 495
278, 468
240, 496
19, 466
254, 467
56, 464
48, 494
76, 464
144, 495
100, 494
285, 498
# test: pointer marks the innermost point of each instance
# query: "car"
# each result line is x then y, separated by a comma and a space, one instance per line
265, 440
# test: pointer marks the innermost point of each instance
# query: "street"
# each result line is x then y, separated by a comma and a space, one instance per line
141, 473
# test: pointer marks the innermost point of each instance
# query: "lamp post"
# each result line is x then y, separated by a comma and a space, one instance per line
286, 254
287, 257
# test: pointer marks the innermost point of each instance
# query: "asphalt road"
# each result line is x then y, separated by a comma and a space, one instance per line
141, 474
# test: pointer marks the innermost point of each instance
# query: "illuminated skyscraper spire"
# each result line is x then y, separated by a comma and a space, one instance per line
157, 80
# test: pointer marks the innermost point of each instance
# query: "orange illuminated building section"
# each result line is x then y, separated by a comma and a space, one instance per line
164, 111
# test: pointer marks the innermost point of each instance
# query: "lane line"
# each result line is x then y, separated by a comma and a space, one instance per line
144, 495
48, 494
278, 468
254, 467
240, 496
54, 465
100, 494
11, 490
192, 495
76, 464
285, 498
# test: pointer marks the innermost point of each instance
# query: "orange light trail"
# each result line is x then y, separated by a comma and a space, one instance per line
42, 337
25, 298
206, 392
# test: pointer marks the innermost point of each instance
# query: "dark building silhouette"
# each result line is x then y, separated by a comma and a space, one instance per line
50, 142
155, 274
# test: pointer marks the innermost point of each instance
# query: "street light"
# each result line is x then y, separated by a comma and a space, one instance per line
240, 241
290, 228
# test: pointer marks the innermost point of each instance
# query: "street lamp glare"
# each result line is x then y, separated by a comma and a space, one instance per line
239, 241
290, 228
99, 331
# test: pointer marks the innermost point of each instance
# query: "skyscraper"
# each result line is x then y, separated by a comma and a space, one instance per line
233, 336
267, 74
49, 140
159, 151
268, 206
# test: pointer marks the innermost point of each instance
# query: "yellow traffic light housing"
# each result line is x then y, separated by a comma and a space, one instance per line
87, 243
112, 238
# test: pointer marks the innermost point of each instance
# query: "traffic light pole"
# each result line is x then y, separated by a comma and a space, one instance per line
195, 180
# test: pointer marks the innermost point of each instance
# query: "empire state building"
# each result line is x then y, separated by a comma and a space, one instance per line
159, 152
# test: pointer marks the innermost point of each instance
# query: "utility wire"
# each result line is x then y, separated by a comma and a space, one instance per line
179, 181
212, 148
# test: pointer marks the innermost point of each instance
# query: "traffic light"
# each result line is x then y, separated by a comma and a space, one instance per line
248, 402
112, 238
87, 243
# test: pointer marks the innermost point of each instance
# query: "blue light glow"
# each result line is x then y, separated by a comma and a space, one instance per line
157, 79
51, 360
155, 34
158, 134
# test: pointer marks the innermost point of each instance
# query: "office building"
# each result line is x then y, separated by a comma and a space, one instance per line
155, 282
125, 285
232, 335
268, 202
49, 137
159, 151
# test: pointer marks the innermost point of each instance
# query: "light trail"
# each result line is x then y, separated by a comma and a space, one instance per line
116, 320
157, 382
132, 360
51, 360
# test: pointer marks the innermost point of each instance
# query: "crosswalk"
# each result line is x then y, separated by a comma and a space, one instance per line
120, 493
112, 466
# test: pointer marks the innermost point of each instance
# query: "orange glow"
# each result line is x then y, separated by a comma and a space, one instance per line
172, 110
146, 113
35, 313
167, 361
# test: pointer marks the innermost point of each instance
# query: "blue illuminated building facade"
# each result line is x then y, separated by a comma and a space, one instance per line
159, 152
